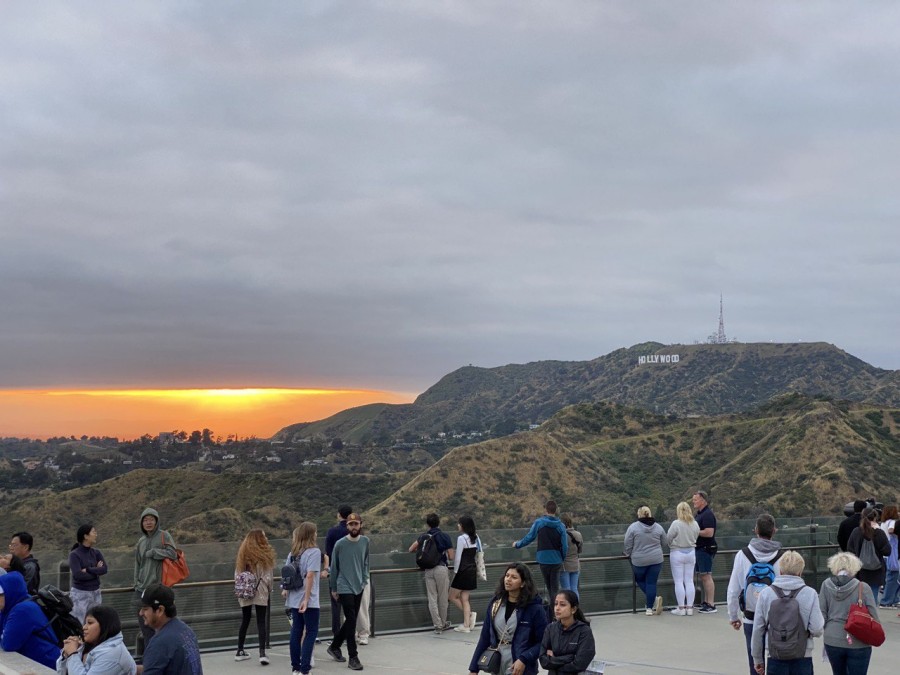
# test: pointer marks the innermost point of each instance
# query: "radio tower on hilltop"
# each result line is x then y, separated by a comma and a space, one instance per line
719, 338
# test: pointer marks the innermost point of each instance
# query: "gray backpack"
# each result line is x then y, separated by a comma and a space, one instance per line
868, 556
786, 635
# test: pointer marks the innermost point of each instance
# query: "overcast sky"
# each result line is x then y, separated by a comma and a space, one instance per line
372, 194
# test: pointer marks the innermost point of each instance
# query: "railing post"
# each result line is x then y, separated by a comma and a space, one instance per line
371, 607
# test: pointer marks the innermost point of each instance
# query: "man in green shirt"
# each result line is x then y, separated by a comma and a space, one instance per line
349, 576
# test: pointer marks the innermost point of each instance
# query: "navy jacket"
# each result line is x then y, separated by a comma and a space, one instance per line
87, 559
531, 622
334, 534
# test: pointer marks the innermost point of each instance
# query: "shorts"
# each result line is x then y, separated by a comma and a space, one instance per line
704, 561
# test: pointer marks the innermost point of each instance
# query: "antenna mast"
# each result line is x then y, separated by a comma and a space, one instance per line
720, 338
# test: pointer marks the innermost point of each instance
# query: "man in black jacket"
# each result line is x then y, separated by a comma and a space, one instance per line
845, 529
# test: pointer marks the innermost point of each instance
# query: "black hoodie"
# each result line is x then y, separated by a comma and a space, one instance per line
573, 648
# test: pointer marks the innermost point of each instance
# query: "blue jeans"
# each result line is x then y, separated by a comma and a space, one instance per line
846, 661
802, 666
304, 625
748, 635
568, 581
891, 588
646, 577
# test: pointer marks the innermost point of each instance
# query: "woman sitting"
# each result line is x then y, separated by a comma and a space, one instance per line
102, 652
23, 626
514, 624
568, 644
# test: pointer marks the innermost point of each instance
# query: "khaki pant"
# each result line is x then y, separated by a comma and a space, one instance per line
437, 585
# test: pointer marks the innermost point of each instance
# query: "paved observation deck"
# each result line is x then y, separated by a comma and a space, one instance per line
630, 644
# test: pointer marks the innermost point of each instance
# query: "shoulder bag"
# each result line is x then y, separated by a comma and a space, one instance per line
479, 560
862, 625
490, 659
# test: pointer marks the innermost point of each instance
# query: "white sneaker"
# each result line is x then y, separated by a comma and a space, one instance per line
678, 611
690, 611
263, 660
472, 617
650, 611
362, 640
462, 629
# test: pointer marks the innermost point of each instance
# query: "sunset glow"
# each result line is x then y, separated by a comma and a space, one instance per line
129, 413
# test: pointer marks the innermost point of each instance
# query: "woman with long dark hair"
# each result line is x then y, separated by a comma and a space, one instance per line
465, 577
103, 650
514, 624
870, 544
568, 643
257, 556
87, 565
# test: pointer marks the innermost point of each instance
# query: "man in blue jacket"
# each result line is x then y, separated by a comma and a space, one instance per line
552, 546
23, 626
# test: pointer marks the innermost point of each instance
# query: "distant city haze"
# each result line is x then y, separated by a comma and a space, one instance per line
127, 414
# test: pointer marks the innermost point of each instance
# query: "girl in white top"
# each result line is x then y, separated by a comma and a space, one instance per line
682, 538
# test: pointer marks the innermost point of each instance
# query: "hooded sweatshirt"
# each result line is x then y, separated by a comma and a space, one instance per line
644, 541
573, 648
110, 657
763, 550
835, 598
149, 552
552, 540
23, 626
810, 613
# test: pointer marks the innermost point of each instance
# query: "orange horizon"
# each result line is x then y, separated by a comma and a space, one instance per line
131, 413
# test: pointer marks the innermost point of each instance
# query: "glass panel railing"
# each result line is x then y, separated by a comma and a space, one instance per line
399, 602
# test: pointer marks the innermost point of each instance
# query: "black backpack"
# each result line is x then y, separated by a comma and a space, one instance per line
428, 556
57, 607
291, 579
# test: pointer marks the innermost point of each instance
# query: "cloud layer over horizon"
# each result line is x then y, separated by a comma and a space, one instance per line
373, 194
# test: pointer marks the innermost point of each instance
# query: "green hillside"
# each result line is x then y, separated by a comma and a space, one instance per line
197, 506
796, 456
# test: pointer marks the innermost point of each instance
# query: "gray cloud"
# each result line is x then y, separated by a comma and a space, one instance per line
371, 195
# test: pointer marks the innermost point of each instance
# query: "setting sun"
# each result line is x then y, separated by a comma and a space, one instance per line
128, 413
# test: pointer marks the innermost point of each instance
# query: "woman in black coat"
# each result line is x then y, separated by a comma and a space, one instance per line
568, 644
869, 535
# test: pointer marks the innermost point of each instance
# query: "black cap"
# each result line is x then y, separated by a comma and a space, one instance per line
157, 595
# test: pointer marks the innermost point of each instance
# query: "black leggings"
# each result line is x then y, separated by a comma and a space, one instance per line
260, 626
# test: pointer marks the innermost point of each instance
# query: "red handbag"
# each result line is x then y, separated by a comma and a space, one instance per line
862, 625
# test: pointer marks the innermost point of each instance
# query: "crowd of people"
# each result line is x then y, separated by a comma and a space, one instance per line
522, 626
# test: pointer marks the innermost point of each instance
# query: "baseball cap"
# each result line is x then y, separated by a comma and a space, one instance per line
354, 518
158, 595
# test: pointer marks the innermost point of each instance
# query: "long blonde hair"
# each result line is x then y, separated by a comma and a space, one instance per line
684, 512
303, 537
255, 552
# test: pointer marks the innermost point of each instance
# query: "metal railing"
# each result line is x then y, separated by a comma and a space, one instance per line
399, 601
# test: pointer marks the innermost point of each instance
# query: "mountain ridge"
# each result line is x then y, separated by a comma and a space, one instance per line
705, 380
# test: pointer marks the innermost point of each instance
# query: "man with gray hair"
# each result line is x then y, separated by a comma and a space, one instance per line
756, 563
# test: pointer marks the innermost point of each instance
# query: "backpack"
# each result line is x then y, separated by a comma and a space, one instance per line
759, 577
868, 556
786, 634
291, 579
428, 556
245, 585
57, 607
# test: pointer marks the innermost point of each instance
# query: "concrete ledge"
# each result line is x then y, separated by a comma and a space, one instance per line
13, 663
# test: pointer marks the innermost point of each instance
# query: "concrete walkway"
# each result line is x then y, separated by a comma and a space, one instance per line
629, 644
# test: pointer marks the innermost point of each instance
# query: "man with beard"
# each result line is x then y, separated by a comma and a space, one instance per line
349, 576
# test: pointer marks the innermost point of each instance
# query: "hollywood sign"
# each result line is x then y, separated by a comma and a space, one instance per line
658, 358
